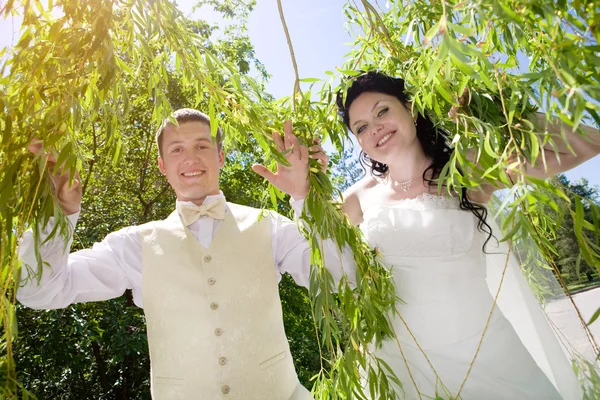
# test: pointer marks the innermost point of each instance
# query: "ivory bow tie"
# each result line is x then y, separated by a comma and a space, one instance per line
192, 213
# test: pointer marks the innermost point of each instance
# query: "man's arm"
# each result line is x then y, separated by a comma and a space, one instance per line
292, 253
291, 250
100, 273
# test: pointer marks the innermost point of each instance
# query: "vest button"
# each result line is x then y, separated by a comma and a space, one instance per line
225, 389
214, 306
211, 281
207, 258
222, 361
218, 331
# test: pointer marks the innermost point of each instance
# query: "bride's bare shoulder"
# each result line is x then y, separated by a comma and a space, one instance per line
352, 198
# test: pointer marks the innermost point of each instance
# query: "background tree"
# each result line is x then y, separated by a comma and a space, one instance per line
569, 258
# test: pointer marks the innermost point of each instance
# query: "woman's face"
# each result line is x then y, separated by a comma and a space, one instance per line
382, 124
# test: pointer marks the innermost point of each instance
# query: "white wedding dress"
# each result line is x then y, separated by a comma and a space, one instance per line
447, 286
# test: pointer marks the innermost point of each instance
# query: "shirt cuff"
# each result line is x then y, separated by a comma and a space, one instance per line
297, 206
72, 218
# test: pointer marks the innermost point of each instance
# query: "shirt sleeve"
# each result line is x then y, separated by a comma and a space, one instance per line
291, 251
103, 272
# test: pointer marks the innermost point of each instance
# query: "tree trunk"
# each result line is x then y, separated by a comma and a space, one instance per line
101, 366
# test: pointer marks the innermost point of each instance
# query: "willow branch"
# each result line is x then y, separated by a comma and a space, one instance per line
362, 51
487, 322
509, 126
380, 24
289, 41
92, 161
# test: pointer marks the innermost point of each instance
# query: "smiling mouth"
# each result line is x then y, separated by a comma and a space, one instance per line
192, 174
384, 139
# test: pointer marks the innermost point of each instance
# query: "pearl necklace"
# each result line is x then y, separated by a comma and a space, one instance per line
405, 186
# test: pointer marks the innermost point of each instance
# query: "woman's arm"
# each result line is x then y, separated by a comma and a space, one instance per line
568, 150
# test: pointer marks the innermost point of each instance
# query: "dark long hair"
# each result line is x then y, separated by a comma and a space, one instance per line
434, 140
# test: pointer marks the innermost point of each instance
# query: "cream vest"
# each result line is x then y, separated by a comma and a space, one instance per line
214, 319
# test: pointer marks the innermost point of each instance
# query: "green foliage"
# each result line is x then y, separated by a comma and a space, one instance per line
95, 81
569, 259
94, 350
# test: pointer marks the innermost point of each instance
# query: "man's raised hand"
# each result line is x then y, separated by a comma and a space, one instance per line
68, 195
292, 179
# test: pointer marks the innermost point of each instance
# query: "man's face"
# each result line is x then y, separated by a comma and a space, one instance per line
191, 161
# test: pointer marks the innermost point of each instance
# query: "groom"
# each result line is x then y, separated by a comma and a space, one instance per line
207, 276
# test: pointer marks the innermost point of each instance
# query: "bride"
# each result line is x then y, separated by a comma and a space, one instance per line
451, 340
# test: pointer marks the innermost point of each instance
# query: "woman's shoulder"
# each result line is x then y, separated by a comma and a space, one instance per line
352, 198
367, 182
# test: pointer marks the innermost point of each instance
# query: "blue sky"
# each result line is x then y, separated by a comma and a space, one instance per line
320, 43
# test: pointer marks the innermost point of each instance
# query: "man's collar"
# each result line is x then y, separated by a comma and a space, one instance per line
207, 200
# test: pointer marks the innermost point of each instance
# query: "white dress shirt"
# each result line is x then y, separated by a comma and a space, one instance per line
115, 264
